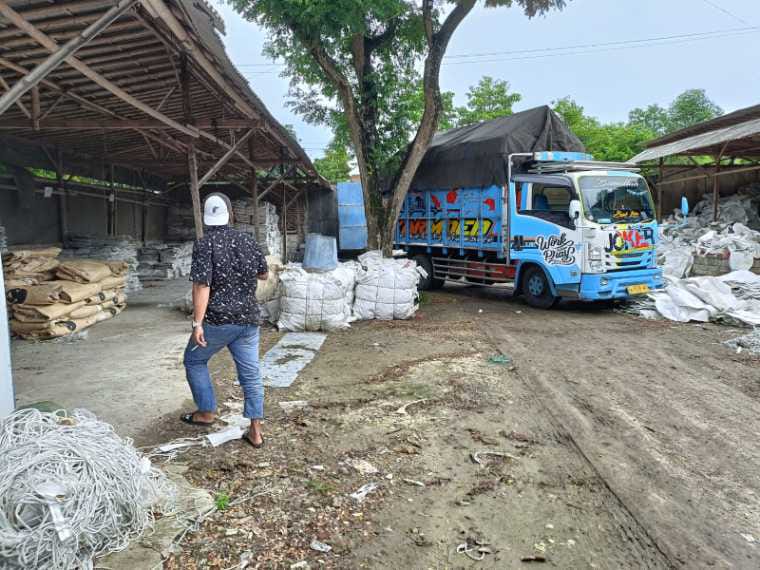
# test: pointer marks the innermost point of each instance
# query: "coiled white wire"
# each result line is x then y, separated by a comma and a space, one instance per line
108, 493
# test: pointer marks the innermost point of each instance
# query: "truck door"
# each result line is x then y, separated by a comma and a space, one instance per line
542, 232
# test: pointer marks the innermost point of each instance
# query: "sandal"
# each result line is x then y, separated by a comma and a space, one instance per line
190, 419
250, 442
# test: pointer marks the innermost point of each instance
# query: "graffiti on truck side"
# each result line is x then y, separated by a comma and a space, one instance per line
556, 250
630, 241
471, 226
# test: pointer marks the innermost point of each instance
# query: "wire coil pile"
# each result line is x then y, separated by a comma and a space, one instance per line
71, 489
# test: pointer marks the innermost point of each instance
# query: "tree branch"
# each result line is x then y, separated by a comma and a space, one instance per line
427, 20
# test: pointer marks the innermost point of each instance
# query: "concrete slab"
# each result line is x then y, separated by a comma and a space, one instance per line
128, 371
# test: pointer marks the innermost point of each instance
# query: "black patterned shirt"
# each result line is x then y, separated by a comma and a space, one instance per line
228, 261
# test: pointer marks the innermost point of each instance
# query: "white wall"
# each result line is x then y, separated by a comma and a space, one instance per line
7, 399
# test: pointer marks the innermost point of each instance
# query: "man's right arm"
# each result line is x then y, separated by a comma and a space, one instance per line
201, 274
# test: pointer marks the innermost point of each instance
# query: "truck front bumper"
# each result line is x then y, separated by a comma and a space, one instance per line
615, 285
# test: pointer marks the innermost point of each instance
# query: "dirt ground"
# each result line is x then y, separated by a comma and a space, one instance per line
502, 437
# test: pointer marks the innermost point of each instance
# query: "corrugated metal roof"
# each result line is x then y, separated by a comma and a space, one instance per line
710, 142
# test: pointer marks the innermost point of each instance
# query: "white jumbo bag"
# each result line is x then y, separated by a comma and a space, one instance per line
386, 288
315, 301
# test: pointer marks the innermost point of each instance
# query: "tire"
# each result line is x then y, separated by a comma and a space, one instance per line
428, 283
536, 289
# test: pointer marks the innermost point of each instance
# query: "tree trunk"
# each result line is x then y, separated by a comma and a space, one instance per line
437, 44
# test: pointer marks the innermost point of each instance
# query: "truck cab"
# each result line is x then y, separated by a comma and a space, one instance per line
563, 227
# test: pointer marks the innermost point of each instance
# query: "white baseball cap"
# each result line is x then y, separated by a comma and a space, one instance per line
215, 212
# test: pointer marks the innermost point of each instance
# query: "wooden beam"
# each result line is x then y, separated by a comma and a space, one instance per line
19, 103
194, 192
115, 90
274, 184
223, 160
121, 124
59, 54
660, 191
52, 106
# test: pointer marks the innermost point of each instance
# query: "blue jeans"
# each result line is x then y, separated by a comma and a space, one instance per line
243, 343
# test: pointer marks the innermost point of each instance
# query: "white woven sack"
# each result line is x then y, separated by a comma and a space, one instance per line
386, 288
315, 301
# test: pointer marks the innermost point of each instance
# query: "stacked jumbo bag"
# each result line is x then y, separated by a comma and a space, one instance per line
50, 298
374, 288
386, 288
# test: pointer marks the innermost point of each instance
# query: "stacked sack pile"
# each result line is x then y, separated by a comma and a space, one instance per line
49, 297
123, 248
264, 225
160, 261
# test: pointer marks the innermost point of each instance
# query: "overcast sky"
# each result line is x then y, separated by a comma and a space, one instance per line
608, 55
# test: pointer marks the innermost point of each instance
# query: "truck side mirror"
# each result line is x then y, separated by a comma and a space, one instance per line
575, 210
684, 206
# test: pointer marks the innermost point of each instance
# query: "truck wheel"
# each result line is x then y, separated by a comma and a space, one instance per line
535, 288
427, 283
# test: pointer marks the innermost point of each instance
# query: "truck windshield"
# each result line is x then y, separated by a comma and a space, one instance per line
623, 199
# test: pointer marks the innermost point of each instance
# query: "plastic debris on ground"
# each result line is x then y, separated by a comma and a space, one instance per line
284, 361
749, 342
710, 268
732, 298
386, 288
363, 491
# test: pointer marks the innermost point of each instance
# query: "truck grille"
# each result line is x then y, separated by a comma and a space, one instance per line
623, 262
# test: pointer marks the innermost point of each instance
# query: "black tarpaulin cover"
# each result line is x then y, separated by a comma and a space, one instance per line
476, 155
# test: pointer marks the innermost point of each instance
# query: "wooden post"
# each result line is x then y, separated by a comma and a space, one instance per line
284, 225
112, 203
63, 198
194, 193
144, 232
716, 188
36, 108
660, 213
254, 186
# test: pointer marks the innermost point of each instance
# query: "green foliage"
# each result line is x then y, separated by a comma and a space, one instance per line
222, 500
611, 141
334, 166
487, 100
362, 59
654, 118
689, 108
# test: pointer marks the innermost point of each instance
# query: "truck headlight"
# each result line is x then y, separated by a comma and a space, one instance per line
596, 254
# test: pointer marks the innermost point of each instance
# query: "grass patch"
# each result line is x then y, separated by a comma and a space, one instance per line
319, 486
222, 500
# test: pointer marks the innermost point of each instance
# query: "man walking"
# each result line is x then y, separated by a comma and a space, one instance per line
226, 266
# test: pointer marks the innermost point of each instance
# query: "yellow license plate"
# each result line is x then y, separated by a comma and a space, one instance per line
638, 289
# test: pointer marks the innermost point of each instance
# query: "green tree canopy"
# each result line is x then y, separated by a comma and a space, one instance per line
487, 100
362, 59
689, 108
335, 164
610, 141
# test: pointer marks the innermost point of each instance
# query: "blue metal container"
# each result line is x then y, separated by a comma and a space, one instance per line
321, 253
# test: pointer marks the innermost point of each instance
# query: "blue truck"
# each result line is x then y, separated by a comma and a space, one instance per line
564, 227
489, 205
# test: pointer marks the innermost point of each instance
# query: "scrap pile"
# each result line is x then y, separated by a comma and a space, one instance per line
266, 228
164, 260
51, 297
122, 248
71, 490
181, 223
712, 269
